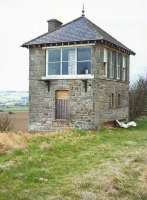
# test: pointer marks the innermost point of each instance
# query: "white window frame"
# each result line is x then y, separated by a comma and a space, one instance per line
113, 63
53, 62
124, 68
105, 62
46, 66
75, 66
111, 69
118, 67
76, 62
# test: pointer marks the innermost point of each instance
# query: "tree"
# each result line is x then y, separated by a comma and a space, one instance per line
137, 94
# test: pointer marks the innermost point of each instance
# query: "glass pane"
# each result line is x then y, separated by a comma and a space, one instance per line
54, 68
120, 59
68, 67
54, 55
124, 61
64, 67
68, 54
84, 68
84, 54
118, 71
114, 58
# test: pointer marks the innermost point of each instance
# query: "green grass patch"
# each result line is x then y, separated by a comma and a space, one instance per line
15, 109
109, 164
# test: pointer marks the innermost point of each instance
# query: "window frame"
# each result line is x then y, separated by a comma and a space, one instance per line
47, 61
110, 66
119, 66
61, 61
124, 66
105, 61
82, 61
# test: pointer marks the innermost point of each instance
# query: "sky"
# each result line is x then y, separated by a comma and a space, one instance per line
23, 20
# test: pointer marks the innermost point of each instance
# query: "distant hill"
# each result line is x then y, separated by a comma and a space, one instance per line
14, 98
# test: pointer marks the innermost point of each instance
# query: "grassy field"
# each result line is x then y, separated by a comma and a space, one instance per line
15, 109
76, 165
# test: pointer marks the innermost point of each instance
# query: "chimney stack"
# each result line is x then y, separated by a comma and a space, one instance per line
53, 24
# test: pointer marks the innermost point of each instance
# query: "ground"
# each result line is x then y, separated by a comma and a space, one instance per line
75, 165
19, 120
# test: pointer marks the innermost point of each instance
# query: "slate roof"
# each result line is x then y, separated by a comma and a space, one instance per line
78, 30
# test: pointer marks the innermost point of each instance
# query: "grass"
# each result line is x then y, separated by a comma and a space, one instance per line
76, 165
15, 109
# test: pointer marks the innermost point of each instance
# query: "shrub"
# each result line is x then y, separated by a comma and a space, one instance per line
137, 94
5, 122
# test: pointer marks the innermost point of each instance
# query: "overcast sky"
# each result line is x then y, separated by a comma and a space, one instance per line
22, 20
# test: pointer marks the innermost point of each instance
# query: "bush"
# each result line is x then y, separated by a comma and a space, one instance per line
137, 94
5, 122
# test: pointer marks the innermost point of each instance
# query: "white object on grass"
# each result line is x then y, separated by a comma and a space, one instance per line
126, 125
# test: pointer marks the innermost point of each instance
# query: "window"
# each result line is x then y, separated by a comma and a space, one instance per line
114, 64
114, 100
63, 61
105, 62
110, 65
68, 61
111, 101
124, 68
83, 61
62, 105
118, 100
54, 59
127, 68
119, 65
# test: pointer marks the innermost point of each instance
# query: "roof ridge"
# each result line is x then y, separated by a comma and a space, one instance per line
72, 21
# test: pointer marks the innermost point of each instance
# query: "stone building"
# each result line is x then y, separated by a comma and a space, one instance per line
78, 77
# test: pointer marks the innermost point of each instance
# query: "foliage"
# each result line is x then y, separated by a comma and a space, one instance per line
5, 122
109, 164
137, 94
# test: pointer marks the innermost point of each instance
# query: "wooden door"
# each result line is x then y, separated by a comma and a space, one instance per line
62, 105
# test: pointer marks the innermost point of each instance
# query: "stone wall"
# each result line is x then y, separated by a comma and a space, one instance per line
42, 101
88, 109
103, 111
102, 92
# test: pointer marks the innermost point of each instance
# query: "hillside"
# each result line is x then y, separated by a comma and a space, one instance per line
14, 100
75, 165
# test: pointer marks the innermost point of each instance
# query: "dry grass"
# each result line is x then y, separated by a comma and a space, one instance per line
5, 122
107, 165
19, 140
115, 179
10, 140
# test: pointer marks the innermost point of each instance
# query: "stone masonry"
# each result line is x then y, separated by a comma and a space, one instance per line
88, 109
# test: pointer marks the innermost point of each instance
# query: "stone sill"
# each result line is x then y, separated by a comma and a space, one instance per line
68, 77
